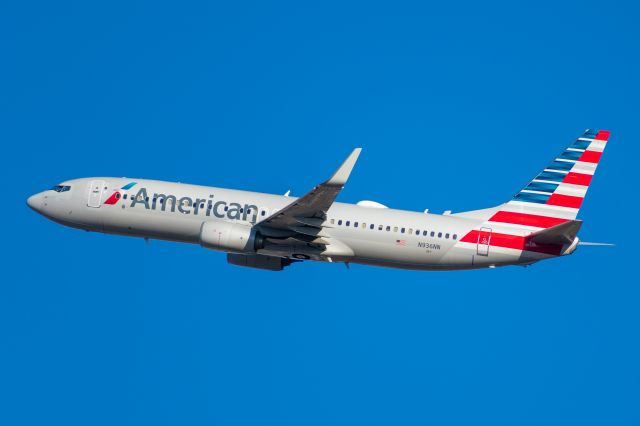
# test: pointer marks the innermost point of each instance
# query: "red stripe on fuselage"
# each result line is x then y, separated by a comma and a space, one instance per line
527, 219
590, 157
577, 179
514, 242
603, 135
565, 201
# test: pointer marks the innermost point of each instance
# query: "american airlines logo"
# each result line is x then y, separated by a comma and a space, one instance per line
113, 198
188, 205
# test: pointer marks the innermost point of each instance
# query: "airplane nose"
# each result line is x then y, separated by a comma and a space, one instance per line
34, 202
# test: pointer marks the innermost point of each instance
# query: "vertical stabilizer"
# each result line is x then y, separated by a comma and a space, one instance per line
555, 195
541, 217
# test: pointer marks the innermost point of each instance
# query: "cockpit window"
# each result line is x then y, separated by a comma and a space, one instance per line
61, 188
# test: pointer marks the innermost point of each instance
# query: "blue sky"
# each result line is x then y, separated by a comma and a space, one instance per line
457, 105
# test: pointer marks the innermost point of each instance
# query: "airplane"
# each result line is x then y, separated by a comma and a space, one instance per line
271, 232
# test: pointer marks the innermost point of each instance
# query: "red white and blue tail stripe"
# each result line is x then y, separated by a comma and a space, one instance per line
552, 198
558, 191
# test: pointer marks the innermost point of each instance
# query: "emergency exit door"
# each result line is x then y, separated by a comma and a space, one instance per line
484, 241
96, 189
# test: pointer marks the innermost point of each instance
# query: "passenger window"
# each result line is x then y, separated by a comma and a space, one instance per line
388, 228
379, 227
332, 221
395, 229
340, 222
439, 234
372, 226
355, 224
433, 234
402, 230
124, 196
410, 231
348, 223
424, 233
417, 232
263, 213
446, 236
455, 237
364, 225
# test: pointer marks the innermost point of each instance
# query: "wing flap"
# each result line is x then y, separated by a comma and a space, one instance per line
307, 230
311, 221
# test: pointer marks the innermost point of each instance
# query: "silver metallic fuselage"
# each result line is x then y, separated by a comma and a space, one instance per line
397, 247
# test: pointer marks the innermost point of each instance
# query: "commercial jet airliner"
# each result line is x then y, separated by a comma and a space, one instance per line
272, 231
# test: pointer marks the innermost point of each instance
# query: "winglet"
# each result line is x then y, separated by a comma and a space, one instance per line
341, 175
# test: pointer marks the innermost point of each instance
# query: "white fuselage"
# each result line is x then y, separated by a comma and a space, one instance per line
177, 212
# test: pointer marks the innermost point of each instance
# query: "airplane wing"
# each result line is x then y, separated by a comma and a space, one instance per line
302, 220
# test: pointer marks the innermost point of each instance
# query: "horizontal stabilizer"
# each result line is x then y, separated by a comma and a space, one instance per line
564, 233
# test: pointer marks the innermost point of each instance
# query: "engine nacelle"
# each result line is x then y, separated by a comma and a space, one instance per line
229, 237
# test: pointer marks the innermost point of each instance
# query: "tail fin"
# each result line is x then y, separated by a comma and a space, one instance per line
541, 218
555, 195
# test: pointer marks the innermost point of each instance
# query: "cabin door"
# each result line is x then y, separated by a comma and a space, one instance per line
484, 241
96, 189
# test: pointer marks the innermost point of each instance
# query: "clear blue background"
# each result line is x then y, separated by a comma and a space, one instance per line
456, 105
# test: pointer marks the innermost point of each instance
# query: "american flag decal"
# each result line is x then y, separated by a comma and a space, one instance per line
401, 242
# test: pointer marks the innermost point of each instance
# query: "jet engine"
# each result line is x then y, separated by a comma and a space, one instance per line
230, 237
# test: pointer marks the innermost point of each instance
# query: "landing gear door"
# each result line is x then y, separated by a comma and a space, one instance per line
484, 241
96, 189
